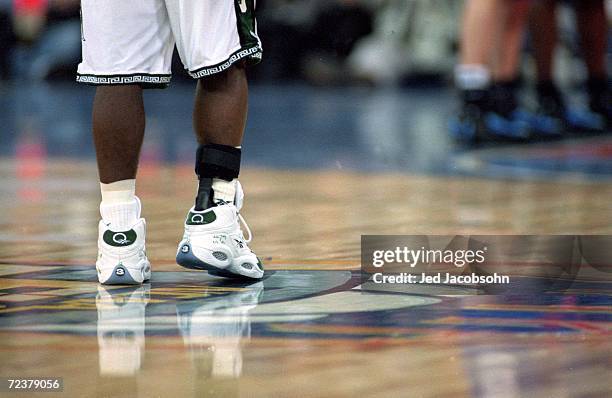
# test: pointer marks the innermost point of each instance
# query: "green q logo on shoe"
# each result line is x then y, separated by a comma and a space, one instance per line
119, 239
201, 218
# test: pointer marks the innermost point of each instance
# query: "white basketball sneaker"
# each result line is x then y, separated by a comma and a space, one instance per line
213, 241
122, 258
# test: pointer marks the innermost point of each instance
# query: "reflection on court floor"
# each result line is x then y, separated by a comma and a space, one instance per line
216, 322
323, 168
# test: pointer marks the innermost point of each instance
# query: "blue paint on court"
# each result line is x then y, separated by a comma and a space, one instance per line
288, 304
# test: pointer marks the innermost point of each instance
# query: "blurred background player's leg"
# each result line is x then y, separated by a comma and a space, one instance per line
504, 101
544, 33
593, 29
506, 63
478, 32
593, 33
473, 73
483, 26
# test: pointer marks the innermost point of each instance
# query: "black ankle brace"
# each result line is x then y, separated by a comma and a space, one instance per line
214, 161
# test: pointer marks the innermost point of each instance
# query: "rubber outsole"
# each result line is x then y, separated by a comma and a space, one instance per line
188, 260
120, 276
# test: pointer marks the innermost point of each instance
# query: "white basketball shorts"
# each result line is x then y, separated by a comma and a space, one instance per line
132, 41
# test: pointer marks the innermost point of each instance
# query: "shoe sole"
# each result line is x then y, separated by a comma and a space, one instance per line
188, 260
121, 276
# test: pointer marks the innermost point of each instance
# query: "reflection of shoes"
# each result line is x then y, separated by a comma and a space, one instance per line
213, 241
121, 329
213, 328
122, 258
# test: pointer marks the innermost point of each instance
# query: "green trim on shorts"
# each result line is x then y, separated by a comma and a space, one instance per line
250, 45
247, 53
247, 28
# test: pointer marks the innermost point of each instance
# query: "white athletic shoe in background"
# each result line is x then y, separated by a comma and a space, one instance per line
213, 241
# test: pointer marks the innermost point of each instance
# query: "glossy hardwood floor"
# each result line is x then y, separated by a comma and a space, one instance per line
307, 330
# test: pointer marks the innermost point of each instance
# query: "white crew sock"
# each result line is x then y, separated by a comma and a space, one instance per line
120, 206
224, 190
472, 77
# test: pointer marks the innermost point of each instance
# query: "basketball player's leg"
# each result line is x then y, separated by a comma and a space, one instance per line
593, 28
506, 107
118, 131
478, 32
213, 239
473, 73
219, 120
482, 26
552, 108
122, 57
508, 54
544, 34
544, 31
220, 110
506, 63
479, 29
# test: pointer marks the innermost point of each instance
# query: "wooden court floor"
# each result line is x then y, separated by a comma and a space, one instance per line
307, 330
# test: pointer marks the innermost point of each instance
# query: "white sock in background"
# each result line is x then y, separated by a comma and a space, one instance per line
120, 206
472, 77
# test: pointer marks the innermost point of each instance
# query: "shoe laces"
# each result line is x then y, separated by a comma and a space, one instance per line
221, 202
246, 227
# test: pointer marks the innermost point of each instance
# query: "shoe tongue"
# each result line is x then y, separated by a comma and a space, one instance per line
239, 198
221, 202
